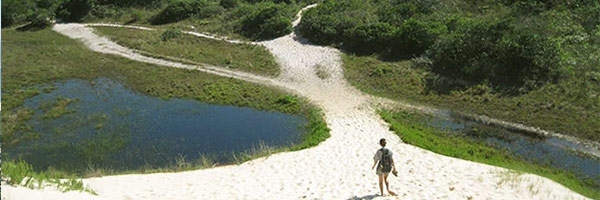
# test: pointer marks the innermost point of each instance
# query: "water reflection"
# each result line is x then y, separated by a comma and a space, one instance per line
107, 126
550, 150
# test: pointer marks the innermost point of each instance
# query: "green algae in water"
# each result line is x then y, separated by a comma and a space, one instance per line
102, 125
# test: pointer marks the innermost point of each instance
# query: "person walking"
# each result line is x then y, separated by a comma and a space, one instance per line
385, 163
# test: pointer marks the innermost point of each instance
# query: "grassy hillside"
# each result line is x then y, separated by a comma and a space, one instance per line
570, 106
251, 19
530, 62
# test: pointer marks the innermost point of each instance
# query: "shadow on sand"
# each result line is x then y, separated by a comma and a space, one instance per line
367, 197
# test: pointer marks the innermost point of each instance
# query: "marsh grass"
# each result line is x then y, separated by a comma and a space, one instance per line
412, 130
511, 178
177, 164
172, 43
21, 173
58, 109
259, 150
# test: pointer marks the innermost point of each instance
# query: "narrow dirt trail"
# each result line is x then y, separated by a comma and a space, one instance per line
338, 168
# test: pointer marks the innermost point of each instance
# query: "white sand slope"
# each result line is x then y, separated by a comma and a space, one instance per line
338, 168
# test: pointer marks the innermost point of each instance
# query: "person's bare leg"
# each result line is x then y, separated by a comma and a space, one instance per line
387, 185
381, 184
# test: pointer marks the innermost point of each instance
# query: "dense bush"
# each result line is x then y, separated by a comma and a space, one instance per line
495, 42
366, 27
41, 18
269, 21
133, 3
74, 10
182, 9
327, 23
38, 12
368, 38
273, 1
488, 50
228, 3
414, 37
586, 12
395, 12
14, 11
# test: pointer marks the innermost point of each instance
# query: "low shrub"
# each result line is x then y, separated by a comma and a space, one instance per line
268, 22
74, 10
170, 34
15, 11
182, 9
228, 4
368, 38
327, 23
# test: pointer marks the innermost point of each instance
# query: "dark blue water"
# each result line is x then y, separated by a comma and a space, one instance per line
110, 127
550, 151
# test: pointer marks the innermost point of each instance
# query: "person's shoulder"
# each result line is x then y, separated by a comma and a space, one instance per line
387, 150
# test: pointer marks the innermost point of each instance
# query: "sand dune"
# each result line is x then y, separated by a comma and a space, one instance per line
338, 168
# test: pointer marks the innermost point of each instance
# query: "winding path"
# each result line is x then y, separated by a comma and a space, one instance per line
338, 168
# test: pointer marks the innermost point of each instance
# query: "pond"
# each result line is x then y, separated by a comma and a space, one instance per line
100, 124
550, 150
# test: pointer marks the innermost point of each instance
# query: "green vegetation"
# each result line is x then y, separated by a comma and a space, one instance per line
58, 109
22, 173
173, 43
493, 58
269, 21
72, 10
532, 62
178, 10
491, 42
571, 106
253, 19
57, 58
411, 128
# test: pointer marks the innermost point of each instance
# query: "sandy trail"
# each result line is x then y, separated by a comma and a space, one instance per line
338, 168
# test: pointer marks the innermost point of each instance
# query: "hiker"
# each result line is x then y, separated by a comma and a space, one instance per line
385, 164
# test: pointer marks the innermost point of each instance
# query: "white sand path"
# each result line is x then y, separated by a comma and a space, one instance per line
338, 168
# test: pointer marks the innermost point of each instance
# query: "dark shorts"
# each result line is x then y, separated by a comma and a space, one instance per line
380, 171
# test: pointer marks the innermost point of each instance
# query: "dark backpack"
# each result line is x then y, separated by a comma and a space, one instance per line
386, 160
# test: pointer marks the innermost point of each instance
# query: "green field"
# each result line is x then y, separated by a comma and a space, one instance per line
175, 44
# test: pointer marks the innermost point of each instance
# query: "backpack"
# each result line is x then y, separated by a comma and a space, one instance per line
386, 160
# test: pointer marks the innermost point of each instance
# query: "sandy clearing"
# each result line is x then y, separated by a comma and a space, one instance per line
338, 168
